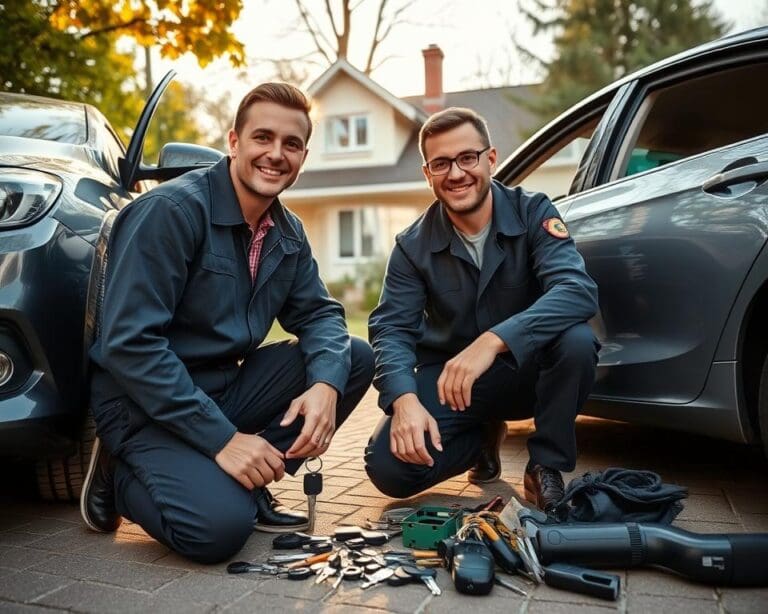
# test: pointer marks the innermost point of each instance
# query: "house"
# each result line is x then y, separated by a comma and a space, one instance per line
362, 182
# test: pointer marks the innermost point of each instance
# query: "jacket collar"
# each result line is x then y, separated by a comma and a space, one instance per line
226, 208
505, 219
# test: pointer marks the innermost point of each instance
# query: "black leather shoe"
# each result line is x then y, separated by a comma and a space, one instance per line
97, 499
273, 517
544, 488
488, 466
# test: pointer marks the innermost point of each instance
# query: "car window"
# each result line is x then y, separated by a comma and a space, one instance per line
38, 118
695, 116
553, 172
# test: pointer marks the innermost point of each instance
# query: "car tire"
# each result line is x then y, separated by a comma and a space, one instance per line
762, 406
61, 479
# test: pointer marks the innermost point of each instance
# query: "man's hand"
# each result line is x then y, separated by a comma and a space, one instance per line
454, 385
251, 460
318, 406
406, 437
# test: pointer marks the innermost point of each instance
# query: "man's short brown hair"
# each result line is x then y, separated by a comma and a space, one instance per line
284, 94
451, 118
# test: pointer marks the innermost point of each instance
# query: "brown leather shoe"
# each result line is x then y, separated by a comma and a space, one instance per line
544, 488
488, 466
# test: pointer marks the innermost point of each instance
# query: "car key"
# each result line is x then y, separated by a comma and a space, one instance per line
377, 577
317, 547
326, 572
509, 585
293, 541
313, 486
406, 574
351, 572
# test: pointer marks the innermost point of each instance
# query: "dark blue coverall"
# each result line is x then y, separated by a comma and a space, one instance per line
178, 367
532, 291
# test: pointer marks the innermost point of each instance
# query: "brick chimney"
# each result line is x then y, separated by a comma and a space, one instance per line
434, 98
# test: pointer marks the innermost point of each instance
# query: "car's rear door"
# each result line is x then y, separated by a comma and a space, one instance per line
679, 218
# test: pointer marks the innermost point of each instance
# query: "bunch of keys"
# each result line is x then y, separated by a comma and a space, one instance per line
313, 486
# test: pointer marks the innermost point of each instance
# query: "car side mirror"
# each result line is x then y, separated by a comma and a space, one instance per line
186, 156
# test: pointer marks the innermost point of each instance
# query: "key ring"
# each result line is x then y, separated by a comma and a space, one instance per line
314, 458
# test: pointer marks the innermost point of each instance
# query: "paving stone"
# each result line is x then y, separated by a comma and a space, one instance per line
640, 604
48, 526
552, 607
29, 585
755, 522
20, 558
260, 602
406, 598
220, 589
748, 501
745, 600
121, 573
648, 582
11, 607
19, 538
98, 598
10, 522
712, 508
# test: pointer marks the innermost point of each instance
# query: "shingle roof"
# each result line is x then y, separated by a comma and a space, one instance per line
509, 123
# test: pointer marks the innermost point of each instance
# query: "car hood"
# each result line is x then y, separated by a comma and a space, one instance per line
44, 155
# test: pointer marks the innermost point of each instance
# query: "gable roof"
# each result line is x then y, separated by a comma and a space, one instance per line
509, 124
415, 114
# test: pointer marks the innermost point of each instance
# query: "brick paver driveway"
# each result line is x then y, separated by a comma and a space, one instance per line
49, 561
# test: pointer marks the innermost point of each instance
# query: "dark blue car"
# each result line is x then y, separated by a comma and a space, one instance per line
64, 174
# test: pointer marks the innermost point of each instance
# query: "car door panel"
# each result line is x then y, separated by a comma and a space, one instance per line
669, 260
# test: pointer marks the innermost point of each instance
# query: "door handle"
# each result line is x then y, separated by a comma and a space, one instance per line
751, 172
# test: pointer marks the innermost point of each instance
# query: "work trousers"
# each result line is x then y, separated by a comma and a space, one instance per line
551, 388
179, 495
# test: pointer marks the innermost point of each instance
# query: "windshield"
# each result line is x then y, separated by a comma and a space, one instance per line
38, 118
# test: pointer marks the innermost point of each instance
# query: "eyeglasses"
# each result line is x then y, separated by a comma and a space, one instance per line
466, 160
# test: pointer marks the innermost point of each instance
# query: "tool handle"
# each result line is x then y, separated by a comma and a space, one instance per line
584, 581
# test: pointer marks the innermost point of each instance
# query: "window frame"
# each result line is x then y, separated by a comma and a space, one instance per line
354, 146
357, 237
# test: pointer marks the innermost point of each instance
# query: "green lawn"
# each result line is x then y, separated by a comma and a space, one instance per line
357, 324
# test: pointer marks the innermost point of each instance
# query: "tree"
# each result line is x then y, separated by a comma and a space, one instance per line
172, 121
176, 26
36, 58
330, 29
599, 41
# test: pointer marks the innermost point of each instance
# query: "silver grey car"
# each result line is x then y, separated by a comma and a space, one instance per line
669, 206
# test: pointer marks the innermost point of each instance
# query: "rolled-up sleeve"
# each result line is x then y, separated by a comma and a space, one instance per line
395, 327
152, 246
569, 293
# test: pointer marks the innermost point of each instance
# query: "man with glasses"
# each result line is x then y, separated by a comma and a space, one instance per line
482, 319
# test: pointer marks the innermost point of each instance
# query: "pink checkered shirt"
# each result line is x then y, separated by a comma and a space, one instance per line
257, 240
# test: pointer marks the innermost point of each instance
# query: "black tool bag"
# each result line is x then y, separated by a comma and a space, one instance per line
622, 495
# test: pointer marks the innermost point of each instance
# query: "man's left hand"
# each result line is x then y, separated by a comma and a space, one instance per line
318, 406
454, 385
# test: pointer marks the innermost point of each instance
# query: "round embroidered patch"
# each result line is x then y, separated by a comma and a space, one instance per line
556, 227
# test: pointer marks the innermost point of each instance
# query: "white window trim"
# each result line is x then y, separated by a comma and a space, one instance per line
352, 117
357, 258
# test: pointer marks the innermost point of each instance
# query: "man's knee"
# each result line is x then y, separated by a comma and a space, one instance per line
387, 473
216, 535
577, 346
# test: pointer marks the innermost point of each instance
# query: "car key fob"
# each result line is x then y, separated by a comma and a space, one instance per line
473, 567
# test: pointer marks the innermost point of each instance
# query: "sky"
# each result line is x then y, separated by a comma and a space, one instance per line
475, 36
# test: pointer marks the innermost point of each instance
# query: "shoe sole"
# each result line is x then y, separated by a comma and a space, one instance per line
497, 475
86, 486
291, 529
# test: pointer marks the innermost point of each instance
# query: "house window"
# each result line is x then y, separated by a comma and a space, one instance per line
357, 238
347, 133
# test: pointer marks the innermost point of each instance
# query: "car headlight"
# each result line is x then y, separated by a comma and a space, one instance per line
25, 195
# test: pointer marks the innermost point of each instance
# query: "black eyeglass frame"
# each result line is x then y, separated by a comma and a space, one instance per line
476, 152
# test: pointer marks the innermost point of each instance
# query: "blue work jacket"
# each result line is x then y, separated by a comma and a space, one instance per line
435, 301
180, 310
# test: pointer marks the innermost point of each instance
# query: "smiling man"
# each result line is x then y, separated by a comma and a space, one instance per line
195, 417
482, 318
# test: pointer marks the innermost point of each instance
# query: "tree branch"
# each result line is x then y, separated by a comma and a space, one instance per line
313, 31
111, 28
375, 40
